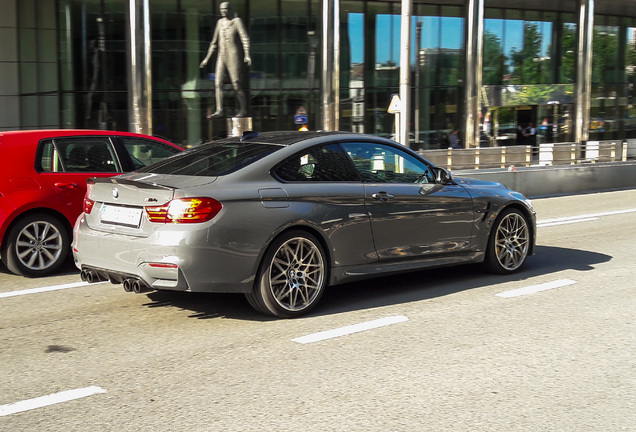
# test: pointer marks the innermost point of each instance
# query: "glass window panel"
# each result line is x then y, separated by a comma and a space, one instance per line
49, 159
377, 163
494, 62
216, 159
87, 154
490, 13
451, 52
387, 42
26, 13
29, 113
50, 109
532, 58
112, 28
352, 52
28, 45
145, 152
264, 31
327, 163
68, 110
294, 42
630, 57
605, 60
568, 52
429, 52
514, 49
47, 77
532, 15
46, 14
514, 14
28, 77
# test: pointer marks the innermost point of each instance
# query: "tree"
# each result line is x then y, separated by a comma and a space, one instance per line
527, 62
494, 60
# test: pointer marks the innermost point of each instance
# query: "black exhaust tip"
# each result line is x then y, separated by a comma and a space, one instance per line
139, 287
128, 285
88, 276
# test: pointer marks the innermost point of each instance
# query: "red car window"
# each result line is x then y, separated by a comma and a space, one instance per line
84, 154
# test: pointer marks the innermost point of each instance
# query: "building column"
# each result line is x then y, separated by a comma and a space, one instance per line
473, 81
139, 67
330, 65
584, 71
405, 72
192, 99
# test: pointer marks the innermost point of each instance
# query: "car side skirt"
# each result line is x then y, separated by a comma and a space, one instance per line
341, 275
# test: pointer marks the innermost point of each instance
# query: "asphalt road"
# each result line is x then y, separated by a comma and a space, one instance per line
549, 349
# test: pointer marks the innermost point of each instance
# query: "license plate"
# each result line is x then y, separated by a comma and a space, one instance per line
119, 215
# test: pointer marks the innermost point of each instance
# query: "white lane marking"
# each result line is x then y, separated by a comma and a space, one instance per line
45, 289
581, 218
355, 328
547, 224
536, 288
51, 399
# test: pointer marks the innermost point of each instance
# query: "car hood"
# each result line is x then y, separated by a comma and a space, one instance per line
484, 188
168, 180
474, 183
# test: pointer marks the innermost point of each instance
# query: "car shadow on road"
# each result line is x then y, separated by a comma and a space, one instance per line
207, 305
388, 290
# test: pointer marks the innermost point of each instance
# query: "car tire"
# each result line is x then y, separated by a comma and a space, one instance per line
509, 242
292, 276
36, 245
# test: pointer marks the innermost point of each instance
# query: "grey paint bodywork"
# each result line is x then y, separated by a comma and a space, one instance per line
423, 225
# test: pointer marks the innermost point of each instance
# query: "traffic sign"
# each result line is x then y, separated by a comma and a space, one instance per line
395, 106
300, 119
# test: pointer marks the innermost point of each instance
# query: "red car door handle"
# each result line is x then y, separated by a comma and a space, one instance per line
65, 185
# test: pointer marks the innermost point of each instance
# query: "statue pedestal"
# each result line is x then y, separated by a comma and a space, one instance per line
237, 125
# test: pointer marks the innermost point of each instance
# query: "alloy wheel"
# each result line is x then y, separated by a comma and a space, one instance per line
511, 241
297, 274
39, 245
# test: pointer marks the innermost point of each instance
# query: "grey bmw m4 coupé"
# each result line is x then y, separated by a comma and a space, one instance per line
279, 216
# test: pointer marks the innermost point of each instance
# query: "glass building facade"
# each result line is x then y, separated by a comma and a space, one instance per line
67, 64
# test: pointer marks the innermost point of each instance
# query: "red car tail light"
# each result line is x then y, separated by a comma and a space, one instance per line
184, 210
163, 265
88, 203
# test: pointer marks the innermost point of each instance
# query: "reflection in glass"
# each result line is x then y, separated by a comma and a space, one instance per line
352, 106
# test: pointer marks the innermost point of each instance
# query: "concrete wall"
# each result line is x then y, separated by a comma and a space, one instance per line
9, 70
561, 180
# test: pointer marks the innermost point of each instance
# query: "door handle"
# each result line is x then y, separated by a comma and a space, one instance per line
382, 196
65, 185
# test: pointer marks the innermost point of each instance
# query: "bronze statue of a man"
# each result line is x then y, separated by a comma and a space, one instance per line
229, 29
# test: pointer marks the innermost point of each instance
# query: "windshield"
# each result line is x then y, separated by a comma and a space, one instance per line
212, 159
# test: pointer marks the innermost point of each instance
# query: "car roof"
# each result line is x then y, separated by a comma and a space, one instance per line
47, 133
284, 138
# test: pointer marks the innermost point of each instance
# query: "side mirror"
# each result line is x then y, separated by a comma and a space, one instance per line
443, 176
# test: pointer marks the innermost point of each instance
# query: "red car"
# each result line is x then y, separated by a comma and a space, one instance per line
42, 185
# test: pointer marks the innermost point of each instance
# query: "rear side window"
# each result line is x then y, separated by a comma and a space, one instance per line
82, 154
214, 159
327, 163
145, 152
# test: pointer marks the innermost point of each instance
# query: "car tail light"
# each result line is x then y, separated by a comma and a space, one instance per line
163, 265
184, 210
88, 203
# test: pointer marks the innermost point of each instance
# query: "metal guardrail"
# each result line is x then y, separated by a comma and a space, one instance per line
526, 156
